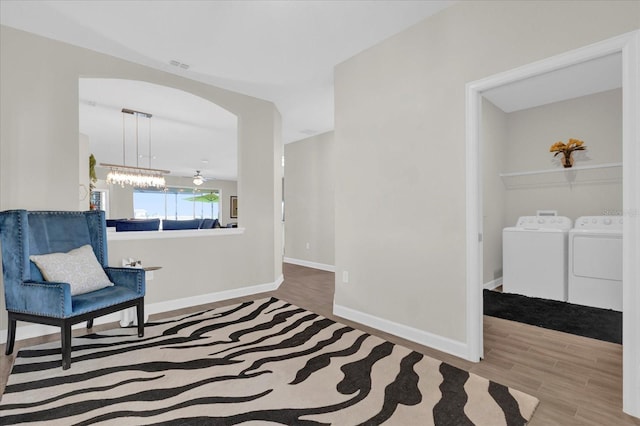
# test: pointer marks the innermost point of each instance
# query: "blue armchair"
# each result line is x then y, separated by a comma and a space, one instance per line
28, 297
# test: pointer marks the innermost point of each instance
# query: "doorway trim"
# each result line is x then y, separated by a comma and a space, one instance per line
629, 46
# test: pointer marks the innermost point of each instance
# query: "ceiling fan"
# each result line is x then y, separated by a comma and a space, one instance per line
198, 179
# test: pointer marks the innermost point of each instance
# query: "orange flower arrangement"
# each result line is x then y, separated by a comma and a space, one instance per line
567, 149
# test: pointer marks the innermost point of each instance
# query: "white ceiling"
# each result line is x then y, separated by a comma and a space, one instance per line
282, 51
586, 78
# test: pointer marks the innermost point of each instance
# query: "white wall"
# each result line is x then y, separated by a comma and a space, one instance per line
39, 159
400, 150
596, 119
309, 208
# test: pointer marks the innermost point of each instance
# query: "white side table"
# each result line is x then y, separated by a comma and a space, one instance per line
129, 316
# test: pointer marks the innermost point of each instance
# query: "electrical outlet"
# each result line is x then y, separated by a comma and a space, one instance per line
345, 276
308, 246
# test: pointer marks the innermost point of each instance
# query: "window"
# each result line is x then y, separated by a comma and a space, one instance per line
176, 203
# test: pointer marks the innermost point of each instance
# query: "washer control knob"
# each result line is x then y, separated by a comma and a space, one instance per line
607, 221
541, 220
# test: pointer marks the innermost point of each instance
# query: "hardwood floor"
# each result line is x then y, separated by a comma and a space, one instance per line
578, 380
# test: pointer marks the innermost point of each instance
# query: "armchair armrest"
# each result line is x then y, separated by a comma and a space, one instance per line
43, 298
131, 278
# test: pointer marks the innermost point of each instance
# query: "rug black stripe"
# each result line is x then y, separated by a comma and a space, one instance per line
86, 406
190, 403
79, 392
449, 411
235, 337
278, 319
148, 367
507, 403
35, 353
182, 325
403, 390
337, 335
261, 339
321, 361
133, 345
249, 317
357, 374
296, 340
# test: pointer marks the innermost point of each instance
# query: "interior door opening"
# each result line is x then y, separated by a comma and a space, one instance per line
627, 47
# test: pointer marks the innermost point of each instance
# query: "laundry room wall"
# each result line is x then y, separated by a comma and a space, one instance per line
597, 120
519, 142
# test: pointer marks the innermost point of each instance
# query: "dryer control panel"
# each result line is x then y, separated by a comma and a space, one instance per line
544, 222
599, 222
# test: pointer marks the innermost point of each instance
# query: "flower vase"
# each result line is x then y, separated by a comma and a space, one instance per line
567, 160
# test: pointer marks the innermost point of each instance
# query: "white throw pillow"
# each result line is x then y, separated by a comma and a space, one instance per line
79, 268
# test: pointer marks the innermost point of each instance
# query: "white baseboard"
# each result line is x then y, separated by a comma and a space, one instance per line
493, 284
309, 264
203, 299
37, 330
425, 338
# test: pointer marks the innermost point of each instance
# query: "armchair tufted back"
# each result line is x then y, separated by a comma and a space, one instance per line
24, 233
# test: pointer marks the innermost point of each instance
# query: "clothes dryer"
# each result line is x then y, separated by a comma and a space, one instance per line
595, 262
535, 255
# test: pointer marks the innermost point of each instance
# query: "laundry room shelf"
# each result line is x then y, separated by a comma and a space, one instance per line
597, 173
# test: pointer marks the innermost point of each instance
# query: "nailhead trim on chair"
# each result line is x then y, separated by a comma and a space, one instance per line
20, 239
37, 284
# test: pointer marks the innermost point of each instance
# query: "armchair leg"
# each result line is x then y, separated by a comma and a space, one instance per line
140, 312
66, 345
11, 335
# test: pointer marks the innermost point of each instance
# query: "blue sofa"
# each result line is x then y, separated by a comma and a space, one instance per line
173, 225
128, 225
210, 224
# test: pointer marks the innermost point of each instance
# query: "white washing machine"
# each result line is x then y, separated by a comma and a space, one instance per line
534, 257
595, 262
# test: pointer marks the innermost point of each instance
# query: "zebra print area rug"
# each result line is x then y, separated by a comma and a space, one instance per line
261, 362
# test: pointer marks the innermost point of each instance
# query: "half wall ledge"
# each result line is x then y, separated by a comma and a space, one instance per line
186, 233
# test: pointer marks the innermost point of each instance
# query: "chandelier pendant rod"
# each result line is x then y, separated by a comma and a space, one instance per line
137, 153
123, 141
135, 175
149, 129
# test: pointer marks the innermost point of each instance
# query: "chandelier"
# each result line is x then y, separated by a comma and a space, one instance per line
142, 177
